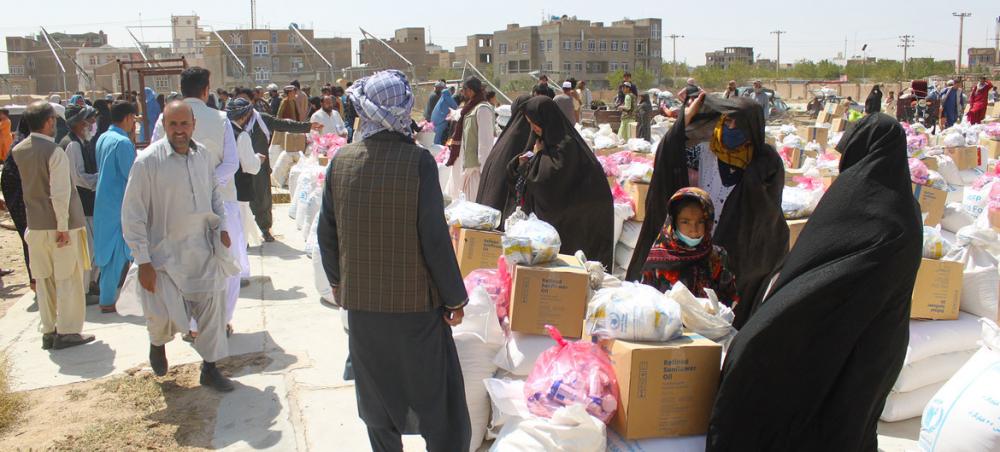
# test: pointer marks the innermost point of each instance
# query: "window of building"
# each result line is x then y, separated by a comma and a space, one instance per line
190, 43
161, 83
274, 37
567, 45
502, 49
236, 40
654, 31
261, 48
579, 46
614, 66
92, 60
524, 48
275, 64
17, 70
578, 66
524, 65
625, 46
614, 45
567, 66
261, 74
297, 64
512, 66
548, 45
293, 38
624, 66
591, 45
604, 45
639, 46
541, 46
548, 66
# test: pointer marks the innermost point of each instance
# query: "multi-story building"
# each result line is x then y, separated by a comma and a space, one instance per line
101, 67
39, 65
982, 56
567, 47
277, 56
729, 55
411, 43
188, 39
478, 50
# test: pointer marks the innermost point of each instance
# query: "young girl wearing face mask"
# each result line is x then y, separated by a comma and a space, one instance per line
683, 251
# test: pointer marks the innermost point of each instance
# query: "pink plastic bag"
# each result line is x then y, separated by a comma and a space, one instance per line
497, 284
809, 183
918, 172
572, 373
503, 297
786, 155
620, 196
609, 165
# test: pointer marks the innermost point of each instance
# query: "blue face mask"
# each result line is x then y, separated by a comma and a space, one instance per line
688, 241
732, 138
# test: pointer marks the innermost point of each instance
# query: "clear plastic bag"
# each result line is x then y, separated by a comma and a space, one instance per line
706, 317
935, 247
467, 214
572, 373
496, 283
634, 312
799, 202
529, 240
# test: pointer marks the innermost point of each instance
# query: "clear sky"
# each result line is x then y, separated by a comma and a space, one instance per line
815, 30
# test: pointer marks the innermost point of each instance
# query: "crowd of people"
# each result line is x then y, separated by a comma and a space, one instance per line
173, 222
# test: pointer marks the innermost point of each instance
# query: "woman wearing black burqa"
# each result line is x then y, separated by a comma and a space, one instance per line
494, 188
644, 118
873, 104
561, 181
813, 366
722, 151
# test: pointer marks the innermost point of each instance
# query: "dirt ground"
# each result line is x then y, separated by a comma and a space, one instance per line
12, 286
135, 411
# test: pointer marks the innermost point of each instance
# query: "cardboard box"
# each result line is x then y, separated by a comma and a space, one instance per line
990, 148
278, 138
794, 229
931, 202
554, 294
667, 389
476, 249
638, 191
931, 162
937, 293
965, 157
820, 135
824, 117
608, 151
295, 142
838, 125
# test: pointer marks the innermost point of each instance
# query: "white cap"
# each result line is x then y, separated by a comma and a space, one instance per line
567, 85
272, 87
55, 98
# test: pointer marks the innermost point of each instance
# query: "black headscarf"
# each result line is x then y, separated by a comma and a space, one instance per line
494, 187
813, 366
565, 185
752, 228
873, 104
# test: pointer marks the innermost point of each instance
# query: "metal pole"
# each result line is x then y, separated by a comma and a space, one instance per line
907, 42
777, 60
961, 29
473, 67
56, 56
674, 39
413, 71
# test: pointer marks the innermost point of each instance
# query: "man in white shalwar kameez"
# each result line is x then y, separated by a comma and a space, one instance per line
174, 222
215, 134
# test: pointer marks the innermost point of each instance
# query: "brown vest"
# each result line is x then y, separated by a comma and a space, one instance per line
32, 157
374, 187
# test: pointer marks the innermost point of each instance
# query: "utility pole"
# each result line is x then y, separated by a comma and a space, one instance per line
961, 28
777, 61
906, 41
253, 14
674, 39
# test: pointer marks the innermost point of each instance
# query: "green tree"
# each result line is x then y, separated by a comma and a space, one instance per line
641, 77
519, 86
440, 73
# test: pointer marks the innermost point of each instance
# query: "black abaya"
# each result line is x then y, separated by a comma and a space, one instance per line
565, 185
494, 187
751, 227
812, 367
873, 104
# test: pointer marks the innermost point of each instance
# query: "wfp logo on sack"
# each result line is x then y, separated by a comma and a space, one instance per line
933, 418
617, 321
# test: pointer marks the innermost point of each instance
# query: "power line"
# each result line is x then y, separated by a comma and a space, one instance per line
906, 41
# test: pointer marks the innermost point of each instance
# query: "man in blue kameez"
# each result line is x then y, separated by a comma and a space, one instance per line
115, 155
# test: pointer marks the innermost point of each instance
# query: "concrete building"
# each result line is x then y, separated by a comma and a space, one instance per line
100, 64
187, 37
478, 50
567, 47
411, 43
277, 56
729, 55
983, 56
40, 68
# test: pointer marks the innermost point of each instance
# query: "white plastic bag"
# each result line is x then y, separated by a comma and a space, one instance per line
980, 283
570, 429
623, 255
706, 317
622, 213
320, 279
308, 214
936, 369
974, 199
964, 414
799, 202
955, 217
630, 233
634, 312
519, 354
954, 139
935, 246
900, 406
935, 337
477, 340
528, 240
637, 172
507, 401
469, 215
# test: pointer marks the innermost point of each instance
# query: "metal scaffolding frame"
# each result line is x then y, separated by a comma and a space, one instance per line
167, 66
412, 69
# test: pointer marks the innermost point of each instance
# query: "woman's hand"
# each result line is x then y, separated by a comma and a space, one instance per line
539, 145
692, 109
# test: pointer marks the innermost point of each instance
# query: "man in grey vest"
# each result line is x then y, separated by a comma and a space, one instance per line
387, 253
56, 236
